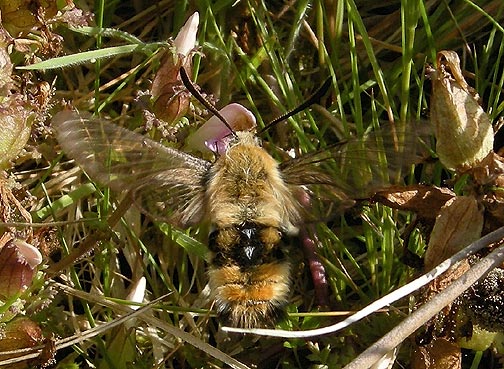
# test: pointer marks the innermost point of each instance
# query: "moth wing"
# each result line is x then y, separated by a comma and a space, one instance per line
357, 168
165, 183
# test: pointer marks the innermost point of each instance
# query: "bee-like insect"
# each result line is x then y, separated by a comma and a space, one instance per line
253, 203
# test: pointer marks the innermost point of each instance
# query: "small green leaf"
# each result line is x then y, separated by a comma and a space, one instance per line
64, 201
187, 242
80, 58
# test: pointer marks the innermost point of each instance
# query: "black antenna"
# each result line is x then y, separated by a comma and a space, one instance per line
192, 89
317, 95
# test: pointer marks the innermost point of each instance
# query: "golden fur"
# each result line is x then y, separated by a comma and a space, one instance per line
246, 191
246, 185
251, 298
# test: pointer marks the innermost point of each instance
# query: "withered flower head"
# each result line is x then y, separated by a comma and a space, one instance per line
464, 133
169, 97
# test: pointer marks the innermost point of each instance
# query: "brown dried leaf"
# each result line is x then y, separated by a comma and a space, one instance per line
426, 201
439, 354
23, 19
46, 358
17, 334
494, 207
23, 15
490, 171
463, 130
489, 174
459, 223
452, 274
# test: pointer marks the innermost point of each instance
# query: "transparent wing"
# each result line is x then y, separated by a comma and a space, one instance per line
356, 169
165, 182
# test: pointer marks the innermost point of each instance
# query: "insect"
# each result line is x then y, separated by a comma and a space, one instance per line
253, 203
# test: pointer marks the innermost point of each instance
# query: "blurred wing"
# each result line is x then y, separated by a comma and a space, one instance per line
356, 169
165, 182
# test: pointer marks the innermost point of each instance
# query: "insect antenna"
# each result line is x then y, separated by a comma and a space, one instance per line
314, 98
207, 104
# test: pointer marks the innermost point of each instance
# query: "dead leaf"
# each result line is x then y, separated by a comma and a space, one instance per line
488, 177
23, 15
439, 354
494, 210
459, 223
17, 334
426, 201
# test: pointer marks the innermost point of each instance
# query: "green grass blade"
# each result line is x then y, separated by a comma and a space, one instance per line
81, 58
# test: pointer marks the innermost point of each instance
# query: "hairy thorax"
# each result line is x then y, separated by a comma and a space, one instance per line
246, 186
